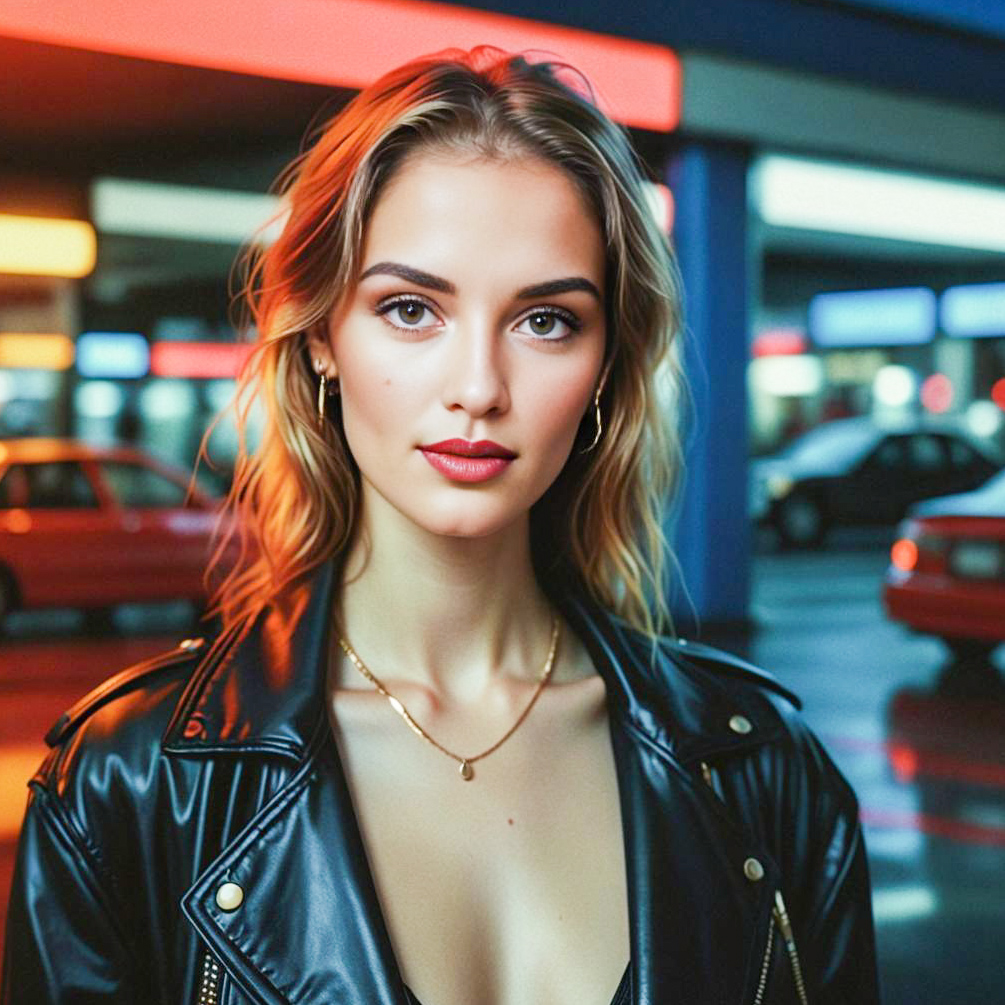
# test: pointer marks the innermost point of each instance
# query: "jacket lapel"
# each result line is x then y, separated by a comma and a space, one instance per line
698, 924
310, 927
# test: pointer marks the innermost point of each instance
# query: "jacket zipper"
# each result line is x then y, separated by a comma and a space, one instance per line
209, 984
782, 916
779, 917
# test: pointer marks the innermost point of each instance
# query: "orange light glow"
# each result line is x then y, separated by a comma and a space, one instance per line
349, 43
39, 246
35, 352
904, 555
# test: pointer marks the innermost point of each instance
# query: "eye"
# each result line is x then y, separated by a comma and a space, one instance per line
406, 313
548, 323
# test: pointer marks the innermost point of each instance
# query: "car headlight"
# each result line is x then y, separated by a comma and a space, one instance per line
779, 486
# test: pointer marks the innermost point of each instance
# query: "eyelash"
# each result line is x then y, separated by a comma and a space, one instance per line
563, 315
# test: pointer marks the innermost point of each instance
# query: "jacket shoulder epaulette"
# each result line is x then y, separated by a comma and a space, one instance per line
719, 659
118, 684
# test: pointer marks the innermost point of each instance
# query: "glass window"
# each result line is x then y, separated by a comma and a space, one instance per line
137, 487
14, 488
961, 455
926, 453
56, 485
889, 454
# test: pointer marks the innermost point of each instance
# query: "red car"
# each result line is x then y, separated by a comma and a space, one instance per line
89, 527
947, 571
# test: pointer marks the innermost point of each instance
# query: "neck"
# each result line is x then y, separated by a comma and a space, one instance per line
455, 614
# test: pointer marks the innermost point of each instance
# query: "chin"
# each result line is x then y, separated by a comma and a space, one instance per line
468, 526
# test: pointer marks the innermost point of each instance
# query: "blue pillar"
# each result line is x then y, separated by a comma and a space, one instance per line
709, 529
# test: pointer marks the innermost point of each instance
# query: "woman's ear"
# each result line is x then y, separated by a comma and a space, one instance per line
319, 347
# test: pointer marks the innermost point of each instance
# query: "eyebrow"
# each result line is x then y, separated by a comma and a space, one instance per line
553, 286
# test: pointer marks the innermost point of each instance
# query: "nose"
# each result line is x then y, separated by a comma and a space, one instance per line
475, 372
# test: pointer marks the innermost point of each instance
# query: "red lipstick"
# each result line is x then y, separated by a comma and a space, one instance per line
466, 461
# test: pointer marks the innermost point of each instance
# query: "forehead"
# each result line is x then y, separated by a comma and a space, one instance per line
518, 217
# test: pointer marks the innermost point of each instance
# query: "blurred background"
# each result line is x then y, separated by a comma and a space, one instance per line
832, 175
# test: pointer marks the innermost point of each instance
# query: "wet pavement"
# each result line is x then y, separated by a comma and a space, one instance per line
921, 739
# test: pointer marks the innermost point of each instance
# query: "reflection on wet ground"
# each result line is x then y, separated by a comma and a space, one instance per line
921, 737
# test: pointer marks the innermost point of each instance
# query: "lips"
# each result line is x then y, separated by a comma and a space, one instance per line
479, 462
466, 448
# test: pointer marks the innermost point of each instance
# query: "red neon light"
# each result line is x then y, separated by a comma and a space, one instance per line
348, 43
998, 393
937, 393
779, 342
200, 360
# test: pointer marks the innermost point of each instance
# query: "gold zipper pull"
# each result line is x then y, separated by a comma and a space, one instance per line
783, 917
785, 927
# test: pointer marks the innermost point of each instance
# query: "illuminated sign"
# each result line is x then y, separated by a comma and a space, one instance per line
112, 354
39, 246
838, 198
30, 351
186, 212
201, 360
873, 317
973, 311
351, 42
779, 342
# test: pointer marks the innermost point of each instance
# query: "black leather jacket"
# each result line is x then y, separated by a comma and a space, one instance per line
185, 773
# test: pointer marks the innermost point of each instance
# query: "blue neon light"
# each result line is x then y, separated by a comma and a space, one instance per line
873, 317
976, 311
112, 354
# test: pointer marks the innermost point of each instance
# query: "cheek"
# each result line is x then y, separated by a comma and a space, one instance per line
374, 403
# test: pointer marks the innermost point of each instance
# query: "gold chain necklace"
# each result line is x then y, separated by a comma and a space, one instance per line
466, 771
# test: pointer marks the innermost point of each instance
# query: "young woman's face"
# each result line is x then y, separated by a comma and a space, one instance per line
478, 319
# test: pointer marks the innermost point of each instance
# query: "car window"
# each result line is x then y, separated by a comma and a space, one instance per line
889, 455
138, 487
51, 485
14, 488
961, 455
926, 453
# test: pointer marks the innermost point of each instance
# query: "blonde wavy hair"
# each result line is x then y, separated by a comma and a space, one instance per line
294, 500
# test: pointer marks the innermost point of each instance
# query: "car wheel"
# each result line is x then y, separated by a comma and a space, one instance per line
99, 621
800, 521
970, 650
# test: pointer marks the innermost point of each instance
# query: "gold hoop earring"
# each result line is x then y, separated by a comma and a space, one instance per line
600, 428
322, 394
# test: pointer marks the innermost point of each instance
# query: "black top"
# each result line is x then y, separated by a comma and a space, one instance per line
622, 996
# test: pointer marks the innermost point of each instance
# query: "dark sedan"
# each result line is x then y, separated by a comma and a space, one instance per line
854, 472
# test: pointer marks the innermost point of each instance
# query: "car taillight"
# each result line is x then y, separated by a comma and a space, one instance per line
918, 550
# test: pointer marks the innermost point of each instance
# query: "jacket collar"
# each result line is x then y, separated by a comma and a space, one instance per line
264, 692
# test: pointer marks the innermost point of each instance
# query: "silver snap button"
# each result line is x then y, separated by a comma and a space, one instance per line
229, 897
740, 724
682, 642
753, 870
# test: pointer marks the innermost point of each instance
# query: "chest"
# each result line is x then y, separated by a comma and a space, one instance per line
507, 888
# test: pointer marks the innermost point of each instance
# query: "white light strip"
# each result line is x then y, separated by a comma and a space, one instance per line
813, 195
903, 903
149, 209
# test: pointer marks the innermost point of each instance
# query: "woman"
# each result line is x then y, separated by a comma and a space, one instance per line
441, 751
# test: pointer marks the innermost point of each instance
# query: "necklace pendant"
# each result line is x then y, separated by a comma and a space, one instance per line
467, 772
